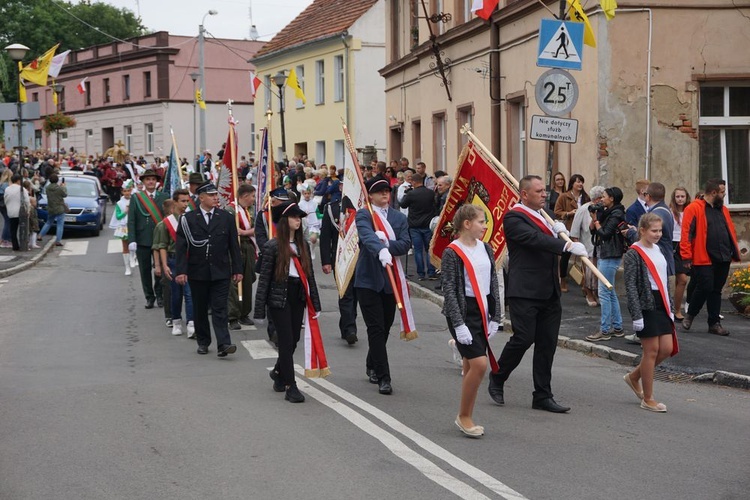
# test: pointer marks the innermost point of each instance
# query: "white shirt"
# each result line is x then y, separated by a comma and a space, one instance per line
482, 267
205, 215
654, 253
677, 231
292, 268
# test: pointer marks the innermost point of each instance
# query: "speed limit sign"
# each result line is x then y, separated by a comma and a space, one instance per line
556, 92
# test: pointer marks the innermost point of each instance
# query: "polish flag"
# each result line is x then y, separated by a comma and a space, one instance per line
254, 83
82, 86
484, 8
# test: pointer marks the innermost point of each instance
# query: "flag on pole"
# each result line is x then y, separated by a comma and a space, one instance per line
172, 178
353, 198
57, 63
292, 82
81, 87
54, 97
609, 7
21, 87
578, 13
254, 83
38, 70
199, 98
484, 8
225, 184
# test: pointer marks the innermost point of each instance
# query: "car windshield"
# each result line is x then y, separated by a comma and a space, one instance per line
80, 188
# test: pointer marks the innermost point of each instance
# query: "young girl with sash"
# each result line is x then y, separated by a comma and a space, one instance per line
286, 284
119, 222
471, 306
649, 303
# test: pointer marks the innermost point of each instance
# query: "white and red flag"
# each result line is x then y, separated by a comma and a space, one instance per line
484, 8
82, 86
227, 184
254, 83
57, 63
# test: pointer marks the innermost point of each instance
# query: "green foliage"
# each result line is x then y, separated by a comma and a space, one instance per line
40, 24
58, 121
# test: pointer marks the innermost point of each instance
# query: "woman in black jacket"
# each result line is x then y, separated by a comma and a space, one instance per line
609, 245
281, 288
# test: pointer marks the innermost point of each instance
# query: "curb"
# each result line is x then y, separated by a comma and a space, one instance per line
29, 263
723, 378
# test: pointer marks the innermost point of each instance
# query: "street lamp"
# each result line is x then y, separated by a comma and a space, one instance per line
194, 77
57, 89
17, 52
279, 79
202, 71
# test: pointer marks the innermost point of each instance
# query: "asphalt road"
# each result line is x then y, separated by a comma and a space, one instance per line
99, 401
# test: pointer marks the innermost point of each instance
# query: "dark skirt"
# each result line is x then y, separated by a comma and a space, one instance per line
679, 266
657, 321
473, 321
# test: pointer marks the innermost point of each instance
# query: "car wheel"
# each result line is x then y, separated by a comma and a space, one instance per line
96, 232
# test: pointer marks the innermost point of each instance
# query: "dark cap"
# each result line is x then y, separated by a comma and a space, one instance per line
207, 188
280, 194
149, 173
196, 178
377, 184
286, 209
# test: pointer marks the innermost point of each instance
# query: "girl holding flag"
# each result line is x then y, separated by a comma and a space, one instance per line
472, 305
286, 284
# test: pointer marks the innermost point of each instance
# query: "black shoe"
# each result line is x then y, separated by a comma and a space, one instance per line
159, 302
371, 376
433, 277
202, 349
550, 405
351, 338
277, 385
223, 350
168, 322
293, 395
149, 303
235, 325
384, 387
247, 320
497, 392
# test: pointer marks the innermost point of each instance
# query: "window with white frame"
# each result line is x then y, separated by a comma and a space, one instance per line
724, 138
464, 116
440, 142
320, 152
149, 127
320, 82
267, 91
300, 70
128, 133
517, 136
338, 78
339, 154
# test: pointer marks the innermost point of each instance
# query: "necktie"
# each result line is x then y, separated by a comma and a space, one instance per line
384, 211
209, 214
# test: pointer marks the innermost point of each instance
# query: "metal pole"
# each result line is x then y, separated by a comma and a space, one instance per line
57, 132
195, 140
281, 114
202, 71
23, 217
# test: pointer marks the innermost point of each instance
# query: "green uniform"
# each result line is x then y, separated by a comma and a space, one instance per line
162, 239
141, 231
239, 309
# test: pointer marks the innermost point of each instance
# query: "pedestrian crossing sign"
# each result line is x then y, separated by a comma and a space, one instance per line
560, 44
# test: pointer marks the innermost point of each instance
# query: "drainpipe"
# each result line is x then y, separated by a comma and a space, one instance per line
496, 112
344, 35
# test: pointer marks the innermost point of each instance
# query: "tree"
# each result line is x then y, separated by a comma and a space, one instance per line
40, 24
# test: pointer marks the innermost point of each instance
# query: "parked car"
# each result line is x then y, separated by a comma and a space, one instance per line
86, 200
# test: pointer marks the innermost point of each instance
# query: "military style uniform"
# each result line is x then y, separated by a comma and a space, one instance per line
141, 227
241, 310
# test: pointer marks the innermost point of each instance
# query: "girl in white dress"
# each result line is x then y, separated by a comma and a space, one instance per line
119, 223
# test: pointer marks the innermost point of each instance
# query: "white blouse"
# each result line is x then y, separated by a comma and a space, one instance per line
482, 267
654, 253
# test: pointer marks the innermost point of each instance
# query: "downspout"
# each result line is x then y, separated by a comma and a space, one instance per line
344, 35
496, 112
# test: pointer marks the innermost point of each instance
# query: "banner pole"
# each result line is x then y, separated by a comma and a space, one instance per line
270, 174
179, 167
233, 162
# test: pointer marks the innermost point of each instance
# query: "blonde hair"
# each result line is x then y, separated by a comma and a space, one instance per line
644, 223
467, 212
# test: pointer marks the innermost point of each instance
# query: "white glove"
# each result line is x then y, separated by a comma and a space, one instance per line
494, 326
385, 257
259, 321
579, 249
463, 335
133, 247
382, 237
317, 314
558, 227
638, 325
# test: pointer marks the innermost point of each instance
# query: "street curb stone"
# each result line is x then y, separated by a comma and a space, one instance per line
725, 378
29, 263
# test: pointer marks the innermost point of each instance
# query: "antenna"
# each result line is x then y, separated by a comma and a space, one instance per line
253, 30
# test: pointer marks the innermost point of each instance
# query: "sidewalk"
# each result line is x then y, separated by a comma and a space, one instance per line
14, 262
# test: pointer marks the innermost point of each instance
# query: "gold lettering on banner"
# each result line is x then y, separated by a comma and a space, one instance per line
471, 157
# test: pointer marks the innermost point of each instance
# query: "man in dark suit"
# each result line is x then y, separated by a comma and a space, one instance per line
208, 257
372, 287
533, 292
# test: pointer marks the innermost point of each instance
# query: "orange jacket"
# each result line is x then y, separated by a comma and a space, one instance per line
694, 231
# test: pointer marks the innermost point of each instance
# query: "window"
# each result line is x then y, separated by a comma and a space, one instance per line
437, 6
149, 138
338, 78
87, 86
35, 97
416, 140
339, 153
414, 14
464, 116
106, 90
63, 136
724, 138
267, 91
440, 139
61, 99
320, 82
320, 152
128, 133
300, 70
396, 29
88, 141
463, 11
146, 84
252, 136
125, 87
517, 135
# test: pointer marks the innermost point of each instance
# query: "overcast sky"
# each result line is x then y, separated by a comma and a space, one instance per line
182, 17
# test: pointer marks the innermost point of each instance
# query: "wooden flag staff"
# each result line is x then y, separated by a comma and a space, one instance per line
233, 162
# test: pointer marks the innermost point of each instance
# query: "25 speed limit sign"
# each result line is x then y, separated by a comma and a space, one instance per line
556, 92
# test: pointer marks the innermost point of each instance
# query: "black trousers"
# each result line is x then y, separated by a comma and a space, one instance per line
378, 311
534, 322
709, 280
348, 310
14, 223
239, 309
214, 293
150, 283
288, 321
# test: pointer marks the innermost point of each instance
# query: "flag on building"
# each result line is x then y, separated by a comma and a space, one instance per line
38, 70
81, 87
254, 83
57, 63
579, 15
292, 82
199, 98
484, 8
227, 174
172, 178
609, 7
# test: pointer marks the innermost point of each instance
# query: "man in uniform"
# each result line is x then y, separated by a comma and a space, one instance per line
144, 214
208, 257
239, 312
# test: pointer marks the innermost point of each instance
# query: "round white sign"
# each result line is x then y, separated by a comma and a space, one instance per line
556, 92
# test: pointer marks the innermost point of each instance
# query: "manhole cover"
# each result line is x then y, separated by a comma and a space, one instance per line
673, 377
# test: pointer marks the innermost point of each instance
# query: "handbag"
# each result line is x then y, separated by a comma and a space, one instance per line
576, 271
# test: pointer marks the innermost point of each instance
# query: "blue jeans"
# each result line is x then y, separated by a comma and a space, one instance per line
420, 238
178, 292
59, 221
611, 316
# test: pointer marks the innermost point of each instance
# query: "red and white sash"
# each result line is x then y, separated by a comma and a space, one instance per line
316, 364
171, 224
481, 299
664, 297
246, 224
536, 220
408, 325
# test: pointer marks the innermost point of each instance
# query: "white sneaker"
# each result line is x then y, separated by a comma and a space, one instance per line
454, 352
633, 339
176, 327
190, 330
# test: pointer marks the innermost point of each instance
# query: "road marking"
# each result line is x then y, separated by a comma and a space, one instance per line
7, 258
74, 248
429, 469
421, 441
260, 349
114, 246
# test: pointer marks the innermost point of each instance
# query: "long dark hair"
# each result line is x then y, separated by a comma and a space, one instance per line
584, 195
284, 255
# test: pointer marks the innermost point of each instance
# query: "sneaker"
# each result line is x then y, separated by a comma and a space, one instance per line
190, 329
618, 332
633, 339
293, 395
235, 325
176, 327
598, 336
277, 385
169, 323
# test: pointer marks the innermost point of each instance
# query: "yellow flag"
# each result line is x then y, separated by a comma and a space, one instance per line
608, 6
292, 82
580, 16
21, 88
54, 98
38, 70
199, 98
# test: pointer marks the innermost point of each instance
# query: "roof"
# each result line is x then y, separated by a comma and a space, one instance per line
323, 18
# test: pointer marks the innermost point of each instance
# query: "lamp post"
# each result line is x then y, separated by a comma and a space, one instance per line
279, 79
194, 77
17, 52
202, 71
57, 89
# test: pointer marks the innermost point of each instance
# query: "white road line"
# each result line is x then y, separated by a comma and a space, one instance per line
7, 258
396, 446
424, 443
114, 246
260, 349
74, 248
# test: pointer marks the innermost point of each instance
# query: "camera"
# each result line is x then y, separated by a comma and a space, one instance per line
596, 208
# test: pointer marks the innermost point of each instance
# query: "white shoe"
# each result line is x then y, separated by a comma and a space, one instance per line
633, 339
126, 260
190, 330
456, 355
176, 327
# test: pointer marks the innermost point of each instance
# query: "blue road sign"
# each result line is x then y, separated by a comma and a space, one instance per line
560, 44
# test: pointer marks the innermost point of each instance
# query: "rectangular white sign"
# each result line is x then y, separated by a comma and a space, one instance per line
549, 128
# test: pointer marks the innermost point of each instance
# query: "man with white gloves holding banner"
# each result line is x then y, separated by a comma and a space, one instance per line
533, 292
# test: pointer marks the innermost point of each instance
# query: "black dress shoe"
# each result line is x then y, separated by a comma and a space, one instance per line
372, 376
384, 387
351, 338
235, 325
293, 395
202, 349
550, 405
159, 302
149, 303
278, 386
497, 392
247, 320
223, 350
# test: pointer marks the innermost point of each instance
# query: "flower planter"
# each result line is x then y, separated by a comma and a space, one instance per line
736, 297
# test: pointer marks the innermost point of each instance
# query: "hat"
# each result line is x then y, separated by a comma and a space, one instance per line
149, 173
286, 209
196, 178
280, 194
128, 184
208, 188
377, 184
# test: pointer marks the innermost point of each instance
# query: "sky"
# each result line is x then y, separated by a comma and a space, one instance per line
182, 17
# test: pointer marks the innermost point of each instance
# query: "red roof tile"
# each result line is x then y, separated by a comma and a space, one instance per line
321, 19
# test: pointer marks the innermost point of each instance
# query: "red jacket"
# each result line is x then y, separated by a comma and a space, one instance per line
694, 231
